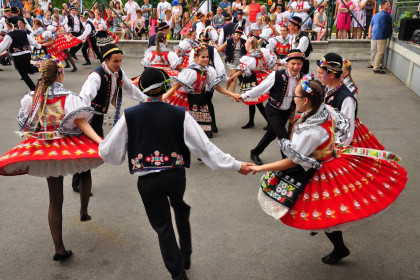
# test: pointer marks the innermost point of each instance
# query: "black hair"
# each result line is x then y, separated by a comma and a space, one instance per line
316, 97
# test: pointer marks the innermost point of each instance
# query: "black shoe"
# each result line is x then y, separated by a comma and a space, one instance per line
256, 159
248, 125
335, 256
85, 217
74, 70
74, 56
313, 233
67, 66
209, 134
59, 257
87, 63
214, 128
379, 72
1, 70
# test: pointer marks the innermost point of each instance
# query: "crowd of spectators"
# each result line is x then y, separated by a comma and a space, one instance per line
351, 17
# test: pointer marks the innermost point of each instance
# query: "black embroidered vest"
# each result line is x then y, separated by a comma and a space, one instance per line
101, 101
20, 41
279, 89
336, 99
211, 55
156, 137
230, 49
228, 30
309, 49
93, 29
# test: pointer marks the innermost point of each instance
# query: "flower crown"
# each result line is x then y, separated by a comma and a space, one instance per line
304, 83
348, 64
198, 49
57, 61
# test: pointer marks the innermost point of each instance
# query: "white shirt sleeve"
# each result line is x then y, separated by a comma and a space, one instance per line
86, 32
174, 60
5, 45
32, 42
90, 88
114, 147
308, 140
262, 88
201, 147
73, 102
221, 35
303, 44
218, 64
131, 91
272, 45
348, 108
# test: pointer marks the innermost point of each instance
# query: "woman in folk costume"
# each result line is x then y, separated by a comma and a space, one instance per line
161, 57
52, 119
254, 67
63, 39
185, 47
362, 137
280, 45
191, 84
46, 39
103, 36
320, 188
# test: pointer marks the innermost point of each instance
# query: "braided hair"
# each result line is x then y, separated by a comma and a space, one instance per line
49, 73
315, 96
160, 38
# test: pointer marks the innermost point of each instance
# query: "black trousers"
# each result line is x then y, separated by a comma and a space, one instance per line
23, 66
95, 48
159, 191
305, 67
277, 120
75, 49
96, 123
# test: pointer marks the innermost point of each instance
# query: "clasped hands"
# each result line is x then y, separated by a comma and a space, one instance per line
247, 167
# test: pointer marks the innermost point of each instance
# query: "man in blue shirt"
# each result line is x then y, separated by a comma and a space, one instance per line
227, 6
380, 30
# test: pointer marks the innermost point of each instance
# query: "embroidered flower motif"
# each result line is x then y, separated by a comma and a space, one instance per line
293, 213
325, 195
315, 196
365, 201
356, 204
304, 216
344, 209
306, 197
316, 215
373, 197
330, 213
337, 192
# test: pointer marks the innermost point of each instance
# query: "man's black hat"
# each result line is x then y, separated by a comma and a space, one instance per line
295, 54
14, 10
296, 21
154, 82
240, 12
163, 26
331, 62
110, 49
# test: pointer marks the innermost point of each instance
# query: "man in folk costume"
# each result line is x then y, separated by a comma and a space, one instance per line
18, 44
301, 41
337, 94
280, 45
241, 22
301, 9
216, 62
106, 85
89, 34
164, 27
227, 31
143, 132
270, 30
3, 20
76, 28
281, 84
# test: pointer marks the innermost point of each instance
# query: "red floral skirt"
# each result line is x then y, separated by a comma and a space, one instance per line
51, 158
252, 81
53, 50
66, 41
364, 138
346, 189
179, 98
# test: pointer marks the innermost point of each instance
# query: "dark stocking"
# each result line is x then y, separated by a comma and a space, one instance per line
251, 114
55, 212
340, 250
85, 188
70, 58
260, 107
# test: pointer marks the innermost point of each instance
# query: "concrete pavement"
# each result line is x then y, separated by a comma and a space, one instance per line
232, 237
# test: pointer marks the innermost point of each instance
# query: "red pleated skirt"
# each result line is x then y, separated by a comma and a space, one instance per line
363, 137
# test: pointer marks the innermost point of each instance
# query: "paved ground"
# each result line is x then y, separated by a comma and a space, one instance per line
232, 237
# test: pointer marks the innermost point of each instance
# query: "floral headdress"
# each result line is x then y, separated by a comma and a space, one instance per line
304, 83
198, 49
57, 61
348, 64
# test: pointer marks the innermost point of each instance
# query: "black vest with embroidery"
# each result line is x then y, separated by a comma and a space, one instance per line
279, 89
20, 41
211, 55
70, 22
93, 29
156, 137
230, 49
101, 101
336, 99
309, 49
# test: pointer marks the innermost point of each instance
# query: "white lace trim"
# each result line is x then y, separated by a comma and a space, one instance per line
271, 207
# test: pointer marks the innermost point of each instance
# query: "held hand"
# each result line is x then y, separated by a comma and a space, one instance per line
237, 97
255, 169
278, 61
245, 168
